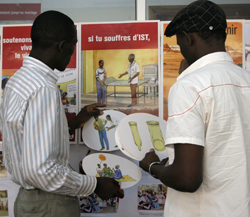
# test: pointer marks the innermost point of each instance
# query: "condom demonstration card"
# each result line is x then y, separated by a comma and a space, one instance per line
138, 133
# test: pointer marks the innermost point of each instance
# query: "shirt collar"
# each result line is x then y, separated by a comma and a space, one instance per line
206, 60
43, 68
132, 63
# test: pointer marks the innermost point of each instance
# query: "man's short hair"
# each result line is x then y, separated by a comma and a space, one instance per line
4, 82
50, 27
132, 55
199, 16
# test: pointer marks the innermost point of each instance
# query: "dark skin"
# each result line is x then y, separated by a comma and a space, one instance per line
130, 59
185, 174
57, 56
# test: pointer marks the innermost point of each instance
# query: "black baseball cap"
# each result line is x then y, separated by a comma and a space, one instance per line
201, 15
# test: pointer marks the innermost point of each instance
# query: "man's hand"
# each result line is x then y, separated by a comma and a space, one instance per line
129, 80
84, 115
120, 75
108, 188
148, 159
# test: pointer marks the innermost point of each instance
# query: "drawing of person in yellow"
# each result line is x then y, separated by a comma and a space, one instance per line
99, 125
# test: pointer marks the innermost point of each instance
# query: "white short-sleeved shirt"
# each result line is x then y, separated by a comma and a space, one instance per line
209, 105
133, 68
112, 123
100, 73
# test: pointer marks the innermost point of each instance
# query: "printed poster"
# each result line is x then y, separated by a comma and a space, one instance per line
16, 44
151, 198
111, 44
2, 82
4, 209
174, 63
8, 191
3, 170
247, 45
235, 41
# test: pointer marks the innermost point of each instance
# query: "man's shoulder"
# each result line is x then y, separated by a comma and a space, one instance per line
28, 80
136, 64
100, 70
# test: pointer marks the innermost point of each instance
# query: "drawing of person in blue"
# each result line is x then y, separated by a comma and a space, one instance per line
154, 200
94, 202
118, 172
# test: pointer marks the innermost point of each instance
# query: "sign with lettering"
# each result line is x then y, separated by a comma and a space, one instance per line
17, 44
20, 12
234, 41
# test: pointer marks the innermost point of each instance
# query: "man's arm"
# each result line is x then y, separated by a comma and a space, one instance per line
134, 77
111, 127
102, 82
186, 172
44, 155
108, 188
125, 73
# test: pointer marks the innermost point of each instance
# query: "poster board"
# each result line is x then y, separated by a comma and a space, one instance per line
247, 45
131, 196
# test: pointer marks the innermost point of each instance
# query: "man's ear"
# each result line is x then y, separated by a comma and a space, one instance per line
61, 46
188, 37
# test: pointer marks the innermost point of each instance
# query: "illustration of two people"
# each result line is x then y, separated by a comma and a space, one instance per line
133, 71
100, 125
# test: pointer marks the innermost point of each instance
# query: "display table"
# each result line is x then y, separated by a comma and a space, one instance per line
112, 82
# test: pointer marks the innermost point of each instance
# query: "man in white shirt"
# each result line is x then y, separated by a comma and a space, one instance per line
112, 123
133, 71
208, 122
35, 129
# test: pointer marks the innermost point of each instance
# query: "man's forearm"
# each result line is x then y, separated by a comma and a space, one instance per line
166, 175
72, 124
135, 75
175, 178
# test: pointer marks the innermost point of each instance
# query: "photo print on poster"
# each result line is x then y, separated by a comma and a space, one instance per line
152, 197
4, 210
3, 170
247, 45
174, 63
94, 204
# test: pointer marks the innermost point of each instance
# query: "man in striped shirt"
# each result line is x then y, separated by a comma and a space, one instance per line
35, 129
